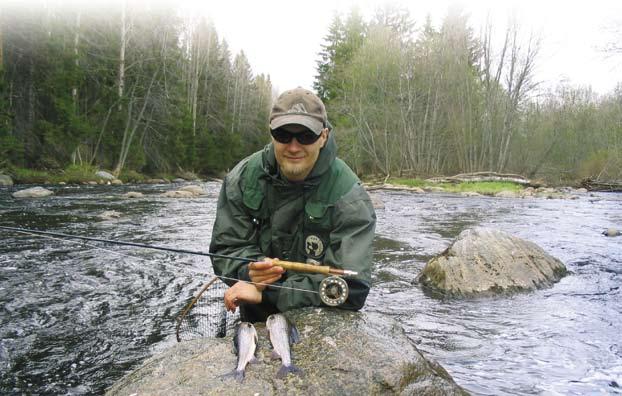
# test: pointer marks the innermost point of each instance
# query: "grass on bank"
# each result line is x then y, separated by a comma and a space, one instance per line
78, 174
485, 188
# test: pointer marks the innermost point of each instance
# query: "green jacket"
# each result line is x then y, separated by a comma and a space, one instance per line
328, 218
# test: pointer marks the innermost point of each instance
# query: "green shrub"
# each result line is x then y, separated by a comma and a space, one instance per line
131, 176
77, 174
29, 176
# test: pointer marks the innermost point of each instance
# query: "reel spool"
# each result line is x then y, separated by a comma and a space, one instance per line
333, 291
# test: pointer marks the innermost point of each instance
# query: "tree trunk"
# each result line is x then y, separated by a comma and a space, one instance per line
121, 81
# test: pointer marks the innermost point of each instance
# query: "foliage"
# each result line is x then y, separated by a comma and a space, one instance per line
124, 86
29, 176
443, 100
486, 188
76, 174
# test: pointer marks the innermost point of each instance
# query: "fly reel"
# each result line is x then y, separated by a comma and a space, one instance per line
333, 291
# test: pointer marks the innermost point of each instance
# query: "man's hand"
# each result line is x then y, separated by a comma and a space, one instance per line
241, 292
264, 272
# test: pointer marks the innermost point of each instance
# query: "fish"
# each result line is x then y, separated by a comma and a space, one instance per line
245, 345
283, 333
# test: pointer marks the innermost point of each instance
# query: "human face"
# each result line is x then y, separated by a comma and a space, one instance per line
296, 160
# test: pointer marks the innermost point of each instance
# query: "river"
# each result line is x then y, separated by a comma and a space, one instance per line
77, 316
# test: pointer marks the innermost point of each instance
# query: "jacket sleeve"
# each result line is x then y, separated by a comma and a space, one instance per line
234, 233
350, 248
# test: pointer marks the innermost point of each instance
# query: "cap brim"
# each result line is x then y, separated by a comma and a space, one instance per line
306, 121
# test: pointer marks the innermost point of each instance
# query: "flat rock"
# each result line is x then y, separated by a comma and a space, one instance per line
178, 194
194, 189
485, 261
33, 192
341, 353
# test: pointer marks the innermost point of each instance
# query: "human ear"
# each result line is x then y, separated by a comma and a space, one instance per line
324, 135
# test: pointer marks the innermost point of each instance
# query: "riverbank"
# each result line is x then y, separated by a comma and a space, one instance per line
76, 174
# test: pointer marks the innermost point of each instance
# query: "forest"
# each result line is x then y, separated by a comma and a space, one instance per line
151, 90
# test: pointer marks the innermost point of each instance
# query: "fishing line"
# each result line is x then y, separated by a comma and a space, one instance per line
52, 235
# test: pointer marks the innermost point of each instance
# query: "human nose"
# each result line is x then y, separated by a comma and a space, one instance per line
294, 145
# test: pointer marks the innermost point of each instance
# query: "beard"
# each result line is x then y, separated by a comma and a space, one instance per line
294, 171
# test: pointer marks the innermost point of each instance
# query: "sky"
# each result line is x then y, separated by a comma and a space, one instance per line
283, 38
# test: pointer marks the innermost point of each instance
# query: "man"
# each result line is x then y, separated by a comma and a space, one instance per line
294, 201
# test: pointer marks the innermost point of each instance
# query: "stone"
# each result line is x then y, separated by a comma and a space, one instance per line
486, 261
6, 180
195, 190
470, 194
116, 182
179, 180
33, 192
133, 194
177, 194
376, 201
105, 175
506, 194
341, 352
155, 181
109, 215
612, 232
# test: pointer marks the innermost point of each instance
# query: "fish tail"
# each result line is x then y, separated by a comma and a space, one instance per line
284, 370
239, 375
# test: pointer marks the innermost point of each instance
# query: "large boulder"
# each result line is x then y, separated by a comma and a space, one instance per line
484, 261
341, 352
6, 180
33, 192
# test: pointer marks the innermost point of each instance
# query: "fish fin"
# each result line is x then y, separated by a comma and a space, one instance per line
294, 336
275, 354
239, 375
235, 343
254, 360
284, 370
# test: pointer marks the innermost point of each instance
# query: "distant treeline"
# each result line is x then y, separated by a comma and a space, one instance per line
416, 99
124, 88
152, 90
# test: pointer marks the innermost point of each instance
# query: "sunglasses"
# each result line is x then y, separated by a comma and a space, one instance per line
285, 137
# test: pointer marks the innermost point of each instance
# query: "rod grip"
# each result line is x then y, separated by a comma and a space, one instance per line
302, 267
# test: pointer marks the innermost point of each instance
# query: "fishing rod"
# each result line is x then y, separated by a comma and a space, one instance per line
288, 265
333, 289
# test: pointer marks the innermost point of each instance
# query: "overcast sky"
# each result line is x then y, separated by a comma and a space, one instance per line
283, 38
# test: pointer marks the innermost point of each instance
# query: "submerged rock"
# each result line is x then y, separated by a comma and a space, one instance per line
612, 232
109, 215
33, 192
340, 352
486, 261
133, 194
177, 194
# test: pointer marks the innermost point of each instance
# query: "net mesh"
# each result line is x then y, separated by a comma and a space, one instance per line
205, 315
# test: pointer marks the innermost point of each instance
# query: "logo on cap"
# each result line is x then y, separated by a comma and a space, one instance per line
298, 108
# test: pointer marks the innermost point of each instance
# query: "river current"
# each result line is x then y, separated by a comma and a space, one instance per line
76, 316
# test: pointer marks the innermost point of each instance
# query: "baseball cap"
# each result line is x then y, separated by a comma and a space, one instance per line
299, 106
